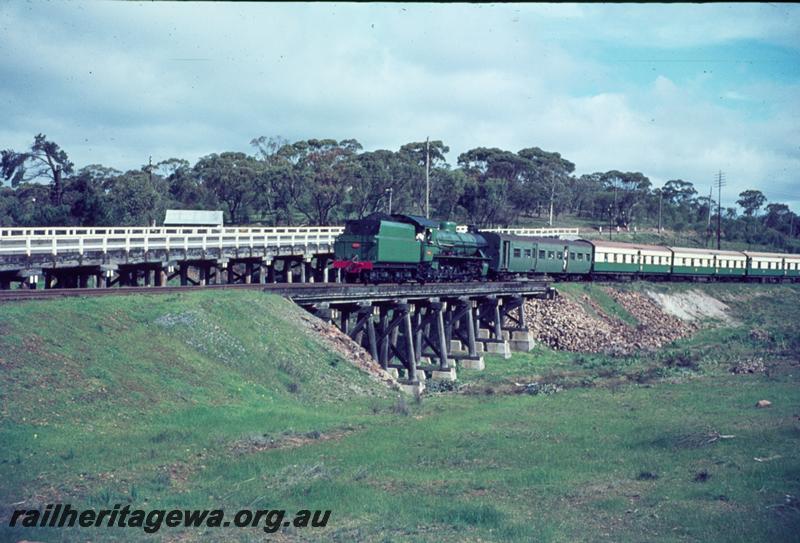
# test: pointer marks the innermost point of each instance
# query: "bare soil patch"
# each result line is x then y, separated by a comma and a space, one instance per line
692, 305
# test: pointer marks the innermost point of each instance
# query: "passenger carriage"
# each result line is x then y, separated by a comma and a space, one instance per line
792, 265
612, 257
510, 254
692, 262
765, 266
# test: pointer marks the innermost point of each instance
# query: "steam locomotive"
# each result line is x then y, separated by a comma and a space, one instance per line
408, 248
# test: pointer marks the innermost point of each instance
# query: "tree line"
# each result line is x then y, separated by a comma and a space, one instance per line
324, 181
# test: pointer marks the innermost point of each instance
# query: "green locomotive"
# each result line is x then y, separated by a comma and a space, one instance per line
394, 248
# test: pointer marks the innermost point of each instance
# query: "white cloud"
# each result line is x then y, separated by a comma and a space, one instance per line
115, 83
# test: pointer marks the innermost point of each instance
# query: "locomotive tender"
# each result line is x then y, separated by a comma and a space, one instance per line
396, 248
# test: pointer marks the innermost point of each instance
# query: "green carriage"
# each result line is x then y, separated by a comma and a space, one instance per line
510, 255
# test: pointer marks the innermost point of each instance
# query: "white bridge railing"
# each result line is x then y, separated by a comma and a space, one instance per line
62, 240
534, 231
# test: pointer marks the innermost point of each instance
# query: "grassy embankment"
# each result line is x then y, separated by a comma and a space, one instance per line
121, 400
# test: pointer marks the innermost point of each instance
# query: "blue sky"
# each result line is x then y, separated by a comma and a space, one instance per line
673, 91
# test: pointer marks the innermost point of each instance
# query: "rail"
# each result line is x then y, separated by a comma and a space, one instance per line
306, 293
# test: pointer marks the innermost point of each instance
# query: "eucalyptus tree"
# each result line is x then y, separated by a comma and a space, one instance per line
45, 159
231, 177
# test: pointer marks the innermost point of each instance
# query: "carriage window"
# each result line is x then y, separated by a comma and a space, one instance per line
605, 257
551, 255
517, 253
541, 254
560, 255
572, 256
580, 256
615, 257
528, 253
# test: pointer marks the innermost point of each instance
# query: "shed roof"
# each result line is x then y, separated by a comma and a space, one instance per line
193, 217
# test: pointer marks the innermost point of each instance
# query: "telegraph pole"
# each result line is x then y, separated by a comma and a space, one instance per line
552, 194
720, 184
660, 197
427, 178
708, 222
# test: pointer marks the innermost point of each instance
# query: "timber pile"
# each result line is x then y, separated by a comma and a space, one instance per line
582, 325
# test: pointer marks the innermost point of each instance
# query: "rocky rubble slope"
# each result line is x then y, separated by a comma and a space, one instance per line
348, 349
581, 325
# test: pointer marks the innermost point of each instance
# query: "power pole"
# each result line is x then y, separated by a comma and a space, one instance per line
427, 178
660, 197
552, 195
708, 220
720, 184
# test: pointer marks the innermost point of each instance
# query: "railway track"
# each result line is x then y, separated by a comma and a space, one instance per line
306, 292
25, 294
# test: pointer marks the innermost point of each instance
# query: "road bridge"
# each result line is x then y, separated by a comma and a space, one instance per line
78, 257
121, 256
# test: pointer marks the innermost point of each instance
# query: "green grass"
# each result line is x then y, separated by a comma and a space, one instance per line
612, 457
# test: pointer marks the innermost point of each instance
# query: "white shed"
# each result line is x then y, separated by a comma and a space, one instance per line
193, 217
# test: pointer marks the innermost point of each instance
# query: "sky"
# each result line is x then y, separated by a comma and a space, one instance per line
675, 91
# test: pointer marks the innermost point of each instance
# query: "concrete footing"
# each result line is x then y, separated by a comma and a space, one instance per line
472, 363
522, 341
447, 375
393, 372
414, 389
498, 348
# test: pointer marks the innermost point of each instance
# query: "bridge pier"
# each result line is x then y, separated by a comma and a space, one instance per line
430, 336
25, 279
74, 277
